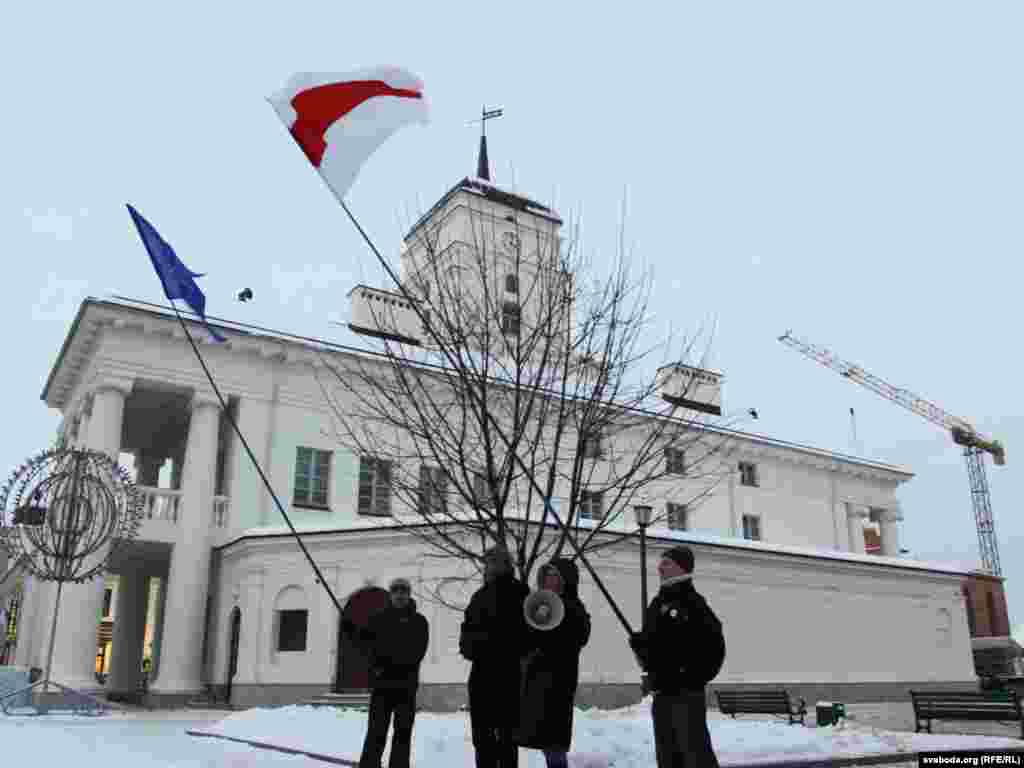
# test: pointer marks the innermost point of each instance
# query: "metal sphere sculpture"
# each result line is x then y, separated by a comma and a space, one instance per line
62, 516
66, 512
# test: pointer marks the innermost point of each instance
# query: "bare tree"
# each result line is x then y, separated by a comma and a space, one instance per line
534, 380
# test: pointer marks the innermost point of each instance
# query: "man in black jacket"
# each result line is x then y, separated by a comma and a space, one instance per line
681, 647
493, 637
395, 641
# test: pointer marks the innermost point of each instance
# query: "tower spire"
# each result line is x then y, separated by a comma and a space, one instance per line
483, 169
483, 166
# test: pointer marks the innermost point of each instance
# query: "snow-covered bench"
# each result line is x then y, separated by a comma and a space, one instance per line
1003, 706
765, 701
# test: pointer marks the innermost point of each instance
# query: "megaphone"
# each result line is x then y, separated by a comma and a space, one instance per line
543, 609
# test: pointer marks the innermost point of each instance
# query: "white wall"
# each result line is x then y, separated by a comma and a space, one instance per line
786, 618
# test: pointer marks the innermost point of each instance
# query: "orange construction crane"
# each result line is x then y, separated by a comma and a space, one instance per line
962, 431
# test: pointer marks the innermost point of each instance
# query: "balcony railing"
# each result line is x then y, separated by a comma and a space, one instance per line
221, 507
160, 503
165, 504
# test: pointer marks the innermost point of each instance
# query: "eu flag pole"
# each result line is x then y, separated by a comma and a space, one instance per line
179, 283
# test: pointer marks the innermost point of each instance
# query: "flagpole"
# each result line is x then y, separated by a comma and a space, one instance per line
483, 408
245, 444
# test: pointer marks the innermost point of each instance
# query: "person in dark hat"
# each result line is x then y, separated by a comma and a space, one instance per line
681, 647
552, 668
493, 638
395, 640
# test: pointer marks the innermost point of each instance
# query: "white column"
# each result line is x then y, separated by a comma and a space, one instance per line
28, 621
74, 655
856, 514
251, 650
891, 518
129, 632
84, 414
158, 629
181, 646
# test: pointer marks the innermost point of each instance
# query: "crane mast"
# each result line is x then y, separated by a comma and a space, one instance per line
963, 433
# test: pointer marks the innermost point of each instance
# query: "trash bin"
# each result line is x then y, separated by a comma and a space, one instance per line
826, 713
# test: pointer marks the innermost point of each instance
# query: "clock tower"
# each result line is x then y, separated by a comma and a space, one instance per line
484, 259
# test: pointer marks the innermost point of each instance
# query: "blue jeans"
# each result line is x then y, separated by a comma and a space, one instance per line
556, 758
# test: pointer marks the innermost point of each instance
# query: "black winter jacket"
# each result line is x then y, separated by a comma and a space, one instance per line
681, 646
395, 641
551, 670
493, 638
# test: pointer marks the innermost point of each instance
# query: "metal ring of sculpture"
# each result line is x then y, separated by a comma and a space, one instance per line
66, 512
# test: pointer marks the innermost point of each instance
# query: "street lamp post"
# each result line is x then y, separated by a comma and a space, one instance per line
643, 519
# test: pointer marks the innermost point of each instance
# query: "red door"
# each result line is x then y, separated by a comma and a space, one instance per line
353, 670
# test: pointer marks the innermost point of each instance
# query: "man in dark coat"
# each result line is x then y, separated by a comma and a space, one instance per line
395, 640
493, 638
681, 647
551, 670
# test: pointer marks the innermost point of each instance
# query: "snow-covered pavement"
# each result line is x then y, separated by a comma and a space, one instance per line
602, 739
127, 742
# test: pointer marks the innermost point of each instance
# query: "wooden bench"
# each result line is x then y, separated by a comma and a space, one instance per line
767, 701
1003, 706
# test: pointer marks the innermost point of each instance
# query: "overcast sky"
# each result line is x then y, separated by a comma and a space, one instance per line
850, 170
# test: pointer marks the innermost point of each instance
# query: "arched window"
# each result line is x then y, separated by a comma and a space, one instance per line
511, 284
291, 620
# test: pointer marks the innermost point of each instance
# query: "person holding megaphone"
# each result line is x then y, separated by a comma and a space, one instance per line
559, 628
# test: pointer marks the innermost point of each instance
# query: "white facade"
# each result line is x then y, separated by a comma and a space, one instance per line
803, 606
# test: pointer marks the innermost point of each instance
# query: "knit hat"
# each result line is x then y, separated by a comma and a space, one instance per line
681, 556
400, 582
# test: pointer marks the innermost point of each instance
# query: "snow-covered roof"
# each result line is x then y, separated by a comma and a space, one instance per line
490, 191
321, 345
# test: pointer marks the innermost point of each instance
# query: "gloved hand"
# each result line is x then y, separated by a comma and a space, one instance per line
639, 646
636, 642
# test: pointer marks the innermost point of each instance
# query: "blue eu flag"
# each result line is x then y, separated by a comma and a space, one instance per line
178, 281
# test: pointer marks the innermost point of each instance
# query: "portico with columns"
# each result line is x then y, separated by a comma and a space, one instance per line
171, 431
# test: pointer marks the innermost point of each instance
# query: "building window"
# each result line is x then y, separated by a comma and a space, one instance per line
592, 443
591, 505
108, 598
677, 516
511, 284
312, 475
510, 317
752, 527
748, 474
433, 491
374, 486
291, 630
482, 491
674, 461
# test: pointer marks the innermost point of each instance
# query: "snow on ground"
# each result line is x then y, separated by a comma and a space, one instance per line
601, 739
157, 741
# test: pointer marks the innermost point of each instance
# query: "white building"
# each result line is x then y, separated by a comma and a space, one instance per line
780, 546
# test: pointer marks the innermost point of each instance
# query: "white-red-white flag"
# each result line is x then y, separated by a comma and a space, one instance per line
339, 119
